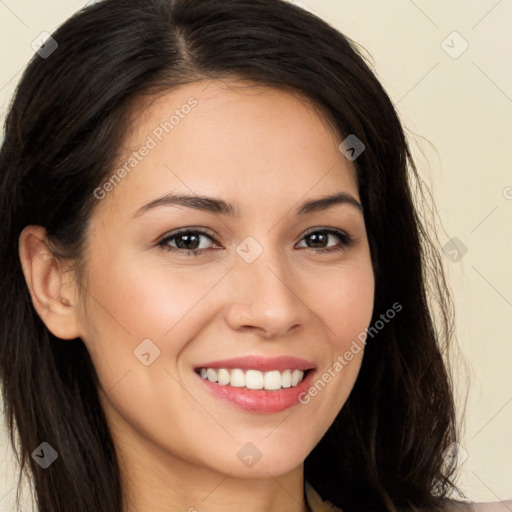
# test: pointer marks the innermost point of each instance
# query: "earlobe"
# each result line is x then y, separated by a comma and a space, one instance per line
51, 288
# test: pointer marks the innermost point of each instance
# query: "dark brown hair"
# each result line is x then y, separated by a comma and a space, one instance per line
384, 451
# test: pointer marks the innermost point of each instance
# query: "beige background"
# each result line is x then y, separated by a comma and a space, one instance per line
458, 112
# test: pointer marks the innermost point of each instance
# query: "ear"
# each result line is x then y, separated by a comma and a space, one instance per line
52, 288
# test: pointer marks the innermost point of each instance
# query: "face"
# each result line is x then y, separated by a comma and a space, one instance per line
266, 278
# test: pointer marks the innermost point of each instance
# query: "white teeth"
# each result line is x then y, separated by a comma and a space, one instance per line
223, 376
296, 377
211, 374
286, 379
253, 379
237, 379
272, 380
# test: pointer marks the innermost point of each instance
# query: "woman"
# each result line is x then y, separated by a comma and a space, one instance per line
214, 293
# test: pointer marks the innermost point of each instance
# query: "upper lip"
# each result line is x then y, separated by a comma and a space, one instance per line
260, 363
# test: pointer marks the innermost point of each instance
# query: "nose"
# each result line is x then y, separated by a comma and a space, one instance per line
264, 299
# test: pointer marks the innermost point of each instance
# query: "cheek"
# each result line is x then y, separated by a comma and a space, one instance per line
345, 309
347, 303
132, 301
144, 299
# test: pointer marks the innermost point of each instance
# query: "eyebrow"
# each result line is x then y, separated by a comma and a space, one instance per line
220, 207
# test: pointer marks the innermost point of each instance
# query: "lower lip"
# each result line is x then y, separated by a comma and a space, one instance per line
260, 400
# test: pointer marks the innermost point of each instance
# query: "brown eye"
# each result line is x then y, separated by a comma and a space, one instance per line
319, 238
186, 240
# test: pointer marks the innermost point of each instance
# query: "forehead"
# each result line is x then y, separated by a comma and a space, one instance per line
241, 141
221, 93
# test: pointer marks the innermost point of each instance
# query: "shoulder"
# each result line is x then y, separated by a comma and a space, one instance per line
471, 506
315, 502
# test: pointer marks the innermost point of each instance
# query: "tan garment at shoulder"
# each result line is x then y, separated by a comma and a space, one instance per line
316, 503
470, 506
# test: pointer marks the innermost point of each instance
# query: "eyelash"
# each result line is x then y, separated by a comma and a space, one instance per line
346, 241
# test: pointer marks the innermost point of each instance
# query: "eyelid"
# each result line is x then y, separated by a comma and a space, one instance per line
212, 234
323, 228
194, 229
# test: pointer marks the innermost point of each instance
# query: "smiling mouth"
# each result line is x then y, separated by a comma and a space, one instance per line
253, 379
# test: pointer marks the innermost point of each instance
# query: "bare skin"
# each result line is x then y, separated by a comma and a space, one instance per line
267, 151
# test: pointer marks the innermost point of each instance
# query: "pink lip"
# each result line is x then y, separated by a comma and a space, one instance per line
260, 400
263, 364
